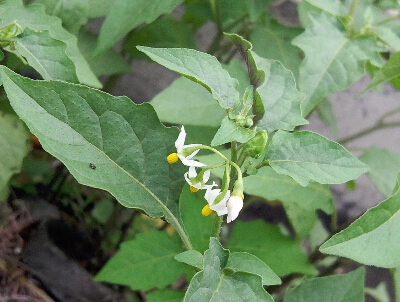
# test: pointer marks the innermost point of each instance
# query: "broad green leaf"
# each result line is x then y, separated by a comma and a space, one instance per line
217, 283
145, 262
257, 77
388, 72
99, 8
281, 253
273, 41
13, 148
385, 166
231, 131
86, 128
192, 257
327, 116
339, 288
200, 135
236, 70
389, 33
248, 263
46, 55
300, 202
280, 97
165, 32
380, 293
185, 102
331, 65
373, 238
200, 68
107, 63
197, 226
73, 13
125, 15
164, 295
307, 156
34, 17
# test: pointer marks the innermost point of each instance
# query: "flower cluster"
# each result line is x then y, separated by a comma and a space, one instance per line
221, 202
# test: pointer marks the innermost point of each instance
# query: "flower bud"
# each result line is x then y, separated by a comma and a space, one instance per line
255, 146
235, 204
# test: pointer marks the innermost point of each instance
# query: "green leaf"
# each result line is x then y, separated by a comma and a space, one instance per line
145, 262
327, 116
192, 257
197, 226
169, 295
388, 72
107, 63
34, 17
230, 131
389, 33
281, 253
125, 15
1, 56
273, 41
279, 96
248, 263
257, 77
373, 238
331, 65
14, 147
216, 283
165, 32
73, 13
99, 8
339, 288
125, 142
185, 102
300, 202
46, 55
307, 156
385, 167
200, 68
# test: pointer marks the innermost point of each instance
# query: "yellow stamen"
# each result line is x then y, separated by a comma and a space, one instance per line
193, 189
206, 211
172, 158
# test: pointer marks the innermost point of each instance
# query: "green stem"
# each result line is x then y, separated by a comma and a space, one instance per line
216, 230
234, 160
220, 33
364, 132
213, 150
353, 9
395, 17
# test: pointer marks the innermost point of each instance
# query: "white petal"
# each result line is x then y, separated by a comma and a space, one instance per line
187, 178
189, 162
206, 176
221, 207
235, 204
211, 194
192, 172
180, 142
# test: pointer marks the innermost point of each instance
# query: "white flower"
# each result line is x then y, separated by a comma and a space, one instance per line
197, 185
211, 195
235, 204
180, 146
